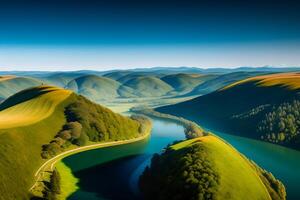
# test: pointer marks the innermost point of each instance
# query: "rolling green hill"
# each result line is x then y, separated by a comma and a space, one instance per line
222, 80
98, 88
262, 107
207, 168
40, 122
10, 85
116, 75
186, 82
148, 86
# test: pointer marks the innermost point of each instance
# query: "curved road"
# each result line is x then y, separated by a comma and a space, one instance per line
52, 161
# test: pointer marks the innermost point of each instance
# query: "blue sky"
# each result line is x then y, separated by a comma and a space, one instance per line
100, 35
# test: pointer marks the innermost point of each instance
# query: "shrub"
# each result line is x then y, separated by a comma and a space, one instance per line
192, 131
75, 129
82, 140
65, 134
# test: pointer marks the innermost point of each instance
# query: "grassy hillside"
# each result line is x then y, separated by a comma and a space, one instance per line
60, 79
10, 85
186, 82
263, 107
206, 168
99, 88
116, 75
148, 86
221, 81
42, 119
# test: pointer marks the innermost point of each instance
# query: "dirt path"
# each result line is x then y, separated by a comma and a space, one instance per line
51, 162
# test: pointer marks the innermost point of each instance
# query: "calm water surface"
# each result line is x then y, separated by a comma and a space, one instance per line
112, 173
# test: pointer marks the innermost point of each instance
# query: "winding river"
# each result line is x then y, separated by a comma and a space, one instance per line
112, 172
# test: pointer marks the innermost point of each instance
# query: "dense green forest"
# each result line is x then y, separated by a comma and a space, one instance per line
187, 176
282, 123
197, 169
90, 122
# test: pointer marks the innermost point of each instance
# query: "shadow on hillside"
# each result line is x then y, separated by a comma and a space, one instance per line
110, 180
23, 96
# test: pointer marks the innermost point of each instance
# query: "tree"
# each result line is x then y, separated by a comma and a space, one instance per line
55, 182
281, 136
192, 131
65, 134
75, 128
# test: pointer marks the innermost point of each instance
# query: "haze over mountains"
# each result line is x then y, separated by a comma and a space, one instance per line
136, 83
261, 104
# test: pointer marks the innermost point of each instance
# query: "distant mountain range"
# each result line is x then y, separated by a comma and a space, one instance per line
133, 83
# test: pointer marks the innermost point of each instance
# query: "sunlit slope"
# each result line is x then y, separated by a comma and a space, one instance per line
42, 111
221, 81
34, 110
238, 180
206, 168
34, 117
9, 84
262, 107
287, 80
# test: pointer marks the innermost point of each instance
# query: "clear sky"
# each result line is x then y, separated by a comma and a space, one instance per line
101, 35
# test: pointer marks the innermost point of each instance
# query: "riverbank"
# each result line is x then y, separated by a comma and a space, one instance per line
273, 187
191, 129
43, 172
113, 172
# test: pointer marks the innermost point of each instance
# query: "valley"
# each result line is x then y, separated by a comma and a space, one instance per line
89, 140
150, 100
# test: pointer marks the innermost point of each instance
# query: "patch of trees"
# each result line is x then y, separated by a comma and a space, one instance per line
192, 130
53, 188
100, 123
87, 121
275, 188
182, 174
145, 123
282, 124
71, 133
252, 112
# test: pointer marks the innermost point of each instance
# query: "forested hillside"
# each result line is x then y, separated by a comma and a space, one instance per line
43, 121
207, 168
263, 107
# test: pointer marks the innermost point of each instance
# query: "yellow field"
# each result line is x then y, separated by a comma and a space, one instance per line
37, 109
289, 80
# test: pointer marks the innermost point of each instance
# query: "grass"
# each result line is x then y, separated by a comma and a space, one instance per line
288, 80
20, 146
68, 181
33, 111
238, 179
148, 86
98, 88
30, 119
